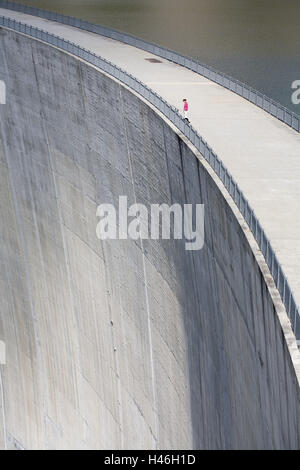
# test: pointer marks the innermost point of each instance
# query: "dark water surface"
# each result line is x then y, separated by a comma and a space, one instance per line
256, 41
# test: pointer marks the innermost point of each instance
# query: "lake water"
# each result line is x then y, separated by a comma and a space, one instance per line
256, 41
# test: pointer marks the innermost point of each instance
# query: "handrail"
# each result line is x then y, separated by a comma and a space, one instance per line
259, 99
201, 145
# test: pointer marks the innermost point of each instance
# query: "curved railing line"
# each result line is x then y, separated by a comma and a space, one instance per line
201, 145
259, 99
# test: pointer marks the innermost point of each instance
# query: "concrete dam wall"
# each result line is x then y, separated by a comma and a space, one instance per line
120, 343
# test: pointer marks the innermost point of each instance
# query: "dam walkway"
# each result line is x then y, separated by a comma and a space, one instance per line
261, 153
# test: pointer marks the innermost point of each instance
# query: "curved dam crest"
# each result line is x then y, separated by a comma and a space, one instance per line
115, 344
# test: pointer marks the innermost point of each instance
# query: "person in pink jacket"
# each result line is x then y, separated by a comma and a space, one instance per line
186, 109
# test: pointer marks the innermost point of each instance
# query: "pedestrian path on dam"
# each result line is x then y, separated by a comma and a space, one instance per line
261, 153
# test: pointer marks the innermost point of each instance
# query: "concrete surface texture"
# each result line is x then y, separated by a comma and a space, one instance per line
260, 152
123, 344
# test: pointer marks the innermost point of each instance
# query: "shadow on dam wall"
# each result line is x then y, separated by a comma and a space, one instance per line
115, 344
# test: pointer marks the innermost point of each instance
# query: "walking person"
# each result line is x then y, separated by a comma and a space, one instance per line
186, 109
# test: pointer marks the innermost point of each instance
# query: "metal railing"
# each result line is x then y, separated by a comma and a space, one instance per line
259, 99
201, 145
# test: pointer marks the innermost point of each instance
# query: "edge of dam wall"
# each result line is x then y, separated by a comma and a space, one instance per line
118, 344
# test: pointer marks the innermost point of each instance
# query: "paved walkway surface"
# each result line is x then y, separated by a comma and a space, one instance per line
262, 154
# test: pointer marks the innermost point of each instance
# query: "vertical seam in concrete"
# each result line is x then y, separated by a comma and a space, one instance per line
220, 438
14, 328
166, 153
116, 362
268, 418
62, 230
29, 289
193, 264
37, 231
3, 409
109, 309
65, 254
41, 258
22, 242
146, 288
